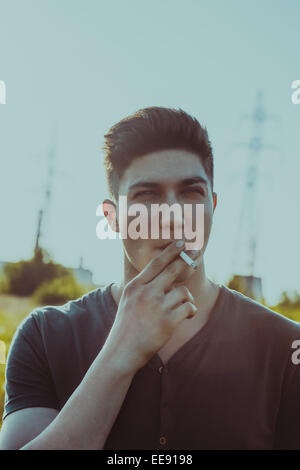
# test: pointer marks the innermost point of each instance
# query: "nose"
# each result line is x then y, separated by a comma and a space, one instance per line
171, 220
171, 198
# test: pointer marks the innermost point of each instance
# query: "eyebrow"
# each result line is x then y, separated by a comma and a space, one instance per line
155, 184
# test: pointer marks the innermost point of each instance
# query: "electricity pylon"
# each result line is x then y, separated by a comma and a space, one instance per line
47, 193
245, 248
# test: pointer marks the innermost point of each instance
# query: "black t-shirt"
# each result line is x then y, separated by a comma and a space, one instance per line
233, 385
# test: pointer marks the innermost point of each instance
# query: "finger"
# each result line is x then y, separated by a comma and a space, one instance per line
158, 263
177, 296
166, 278
183, 312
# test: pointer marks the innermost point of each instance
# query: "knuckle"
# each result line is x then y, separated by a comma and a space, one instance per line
190, 308
171, 269
159, 297
130, 287
145, 293
156, 263
141, 295
185, 293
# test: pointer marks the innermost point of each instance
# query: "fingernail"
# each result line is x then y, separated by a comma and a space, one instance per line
180, 244
195, 252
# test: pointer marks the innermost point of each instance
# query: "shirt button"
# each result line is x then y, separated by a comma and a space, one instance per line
162, 440
160, 369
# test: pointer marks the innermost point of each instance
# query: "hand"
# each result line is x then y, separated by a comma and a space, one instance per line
150, 309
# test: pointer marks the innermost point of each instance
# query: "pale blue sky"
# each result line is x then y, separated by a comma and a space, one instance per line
81, 66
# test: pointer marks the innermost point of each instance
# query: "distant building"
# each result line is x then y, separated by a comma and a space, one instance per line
82, 275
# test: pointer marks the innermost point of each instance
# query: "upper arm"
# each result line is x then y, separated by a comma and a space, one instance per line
30, 395
22, 426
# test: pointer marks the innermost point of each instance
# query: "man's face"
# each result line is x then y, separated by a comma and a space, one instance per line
165, 177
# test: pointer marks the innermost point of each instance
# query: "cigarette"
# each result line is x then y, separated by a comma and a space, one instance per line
188, 260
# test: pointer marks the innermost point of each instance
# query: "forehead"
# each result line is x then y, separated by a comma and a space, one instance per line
163, 167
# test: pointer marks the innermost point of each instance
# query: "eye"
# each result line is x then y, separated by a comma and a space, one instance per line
195, 190
144, 193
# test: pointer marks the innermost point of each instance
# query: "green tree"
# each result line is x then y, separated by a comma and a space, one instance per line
25, 276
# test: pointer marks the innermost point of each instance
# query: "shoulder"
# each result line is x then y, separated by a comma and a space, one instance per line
89, 309
258, 317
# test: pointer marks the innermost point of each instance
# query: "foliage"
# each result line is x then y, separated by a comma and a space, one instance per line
4, 285
58, 291
289, 306
25, 276
289, 301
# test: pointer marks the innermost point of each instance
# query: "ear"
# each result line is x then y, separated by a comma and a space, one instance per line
110, 212
214, 200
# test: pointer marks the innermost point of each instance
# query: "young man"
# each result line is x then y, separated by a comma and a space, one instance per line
167, 359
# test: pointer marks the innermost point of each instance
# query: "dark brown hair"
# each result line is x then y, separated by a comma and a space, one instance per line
150, 130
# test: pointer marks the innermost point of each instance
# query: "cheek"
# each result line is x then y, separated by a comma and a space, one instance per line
207, 224
207, 219
198, 219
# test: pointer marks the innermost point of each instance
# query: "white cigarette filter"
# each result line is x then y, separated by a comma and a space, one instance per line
188, 260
